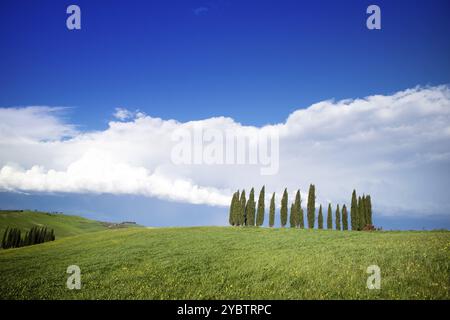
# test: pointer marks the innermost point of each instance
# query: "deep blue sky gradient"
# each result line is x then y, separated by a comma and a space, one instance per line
255, 61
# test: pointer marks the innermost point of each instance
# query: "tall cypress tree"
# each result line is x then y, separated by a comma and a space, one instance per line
283, 210
320, 218
302, 218
232, 209
360, 213
260, 211
292, 217
344, 218
364, 204
243, 202
5, 234
250, 209
311, 212
338, 218
354, 212
329, 218
237, 209
272, 211
298, 209
369, 210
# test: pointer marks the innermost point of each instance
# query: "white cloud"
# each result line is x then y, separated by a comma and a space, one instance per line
395, 147
33, 123
123, 114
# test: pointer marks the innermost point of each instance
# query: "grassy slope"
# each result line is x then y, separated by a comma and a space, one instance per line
226, 262
63, 225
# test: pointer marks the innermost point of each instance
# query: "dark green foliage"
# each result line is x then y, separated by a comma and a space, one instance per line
250, 209
296, 218
320, 218
301, 218
359, 217
299, 223
232, 213
12, 237
284, 209
242, 203
344, 218
311, 206
237, 209
4, 238
329, 218
250, 213
369, 210
338, 218
354, 212
260, 211
362, 212
293, 216
272, 211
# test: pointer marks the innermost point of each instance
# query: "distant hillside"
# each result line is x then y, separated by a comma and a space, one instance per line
64, 225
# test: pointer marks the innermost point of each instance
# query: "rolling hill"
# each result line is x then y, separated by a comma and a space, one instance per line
64, 225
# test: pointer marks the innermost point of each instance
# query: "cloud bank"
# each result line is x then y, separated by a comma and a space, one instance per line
394, 147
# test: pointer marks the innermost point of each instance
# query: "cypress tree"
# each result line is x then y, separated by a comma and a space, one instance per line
329, 218
344, 218
338, 218
17, 238
26, 238
302, 218
237, 209
33, 236
360, 211
232, 210
242, 204
260, 211
311, 207
369, 210
8, 240
272, 211
44, 233
250, 210
4, 238
320, 218
298, 210
354, 212
12, 238
292, 217
364, 209
283, 210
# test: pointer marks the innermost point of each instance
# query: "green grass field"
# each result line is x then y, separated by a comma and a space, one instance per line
231, 263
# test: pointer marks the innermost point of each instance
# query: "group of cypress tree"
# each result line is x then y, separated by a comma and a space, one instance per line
242, 212
361, 212
246, 213
12, 237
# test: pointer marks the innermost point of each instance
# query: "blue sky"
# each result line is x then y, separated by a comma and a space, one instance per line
253, 61
236, 58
